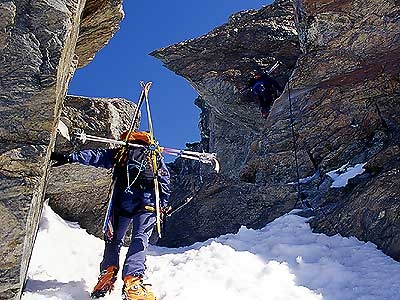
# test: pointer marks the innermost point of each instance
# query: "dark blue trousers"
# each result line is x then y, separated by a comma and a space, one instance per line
142, 226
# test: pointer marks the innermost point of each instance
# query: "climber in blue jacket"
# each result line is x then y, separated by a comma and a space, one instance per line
133, 202
266, 89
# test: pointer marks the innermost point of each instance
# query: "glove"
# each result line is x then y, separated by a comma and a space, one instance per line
60, 158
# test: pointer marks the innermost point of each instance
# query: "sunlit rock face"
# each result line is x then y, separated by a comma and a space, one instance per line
347, 107
100, 20
341, 106
37, 50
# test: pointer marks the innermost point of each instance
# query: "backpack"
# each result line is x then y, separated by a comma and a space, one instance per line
139, 171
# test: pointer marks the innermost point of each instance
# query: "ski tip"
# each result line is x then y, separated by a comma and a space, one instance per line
146, 85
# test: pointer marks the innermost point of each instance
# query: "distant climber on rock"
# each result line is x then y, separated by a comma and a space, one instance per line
265, 88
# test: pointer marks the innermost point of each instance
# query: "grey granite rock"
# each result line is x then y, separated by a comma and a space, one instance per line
37, 60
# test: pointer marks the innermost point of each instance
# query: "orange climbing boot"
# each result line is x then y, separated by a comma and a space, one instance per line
105, 283
135, 289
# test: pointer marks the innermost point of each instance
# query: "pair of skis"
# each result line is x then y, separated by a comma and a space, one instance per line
108, 229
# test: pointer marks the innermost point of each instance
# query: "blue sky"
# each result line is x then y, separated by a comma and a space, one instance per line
149, 25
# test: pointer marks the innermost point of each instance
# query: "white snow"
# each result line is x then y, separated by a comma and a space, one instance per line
342, 175
282, 261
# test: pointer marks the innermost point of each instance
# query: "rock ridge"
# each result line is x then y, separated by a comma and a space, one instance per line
38, 51
341, 102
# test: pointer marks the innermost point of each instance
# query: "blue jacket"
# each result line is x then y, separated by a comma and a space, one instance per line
264, 85
128, 199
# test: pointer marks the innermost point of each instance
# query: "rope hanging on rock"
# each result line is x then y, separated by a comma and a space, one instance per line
304, 203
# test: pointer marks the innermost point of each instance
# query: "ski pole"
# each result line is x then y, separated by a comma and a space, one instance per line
199, 156
273, 67
175, 210
86, 137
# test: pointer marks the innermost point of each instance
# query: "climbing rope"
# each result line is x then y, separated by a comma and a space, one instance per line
304, 203
296, 160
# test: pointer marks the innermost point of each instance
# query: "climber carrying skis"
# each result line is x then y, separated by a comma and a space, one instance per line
133, 202
265, 88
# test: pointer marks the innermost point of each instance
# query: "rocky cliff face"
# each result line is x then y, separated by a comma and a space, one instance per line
76, 192
218, 65
354, 95
99, 21
37, 49
341, 105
